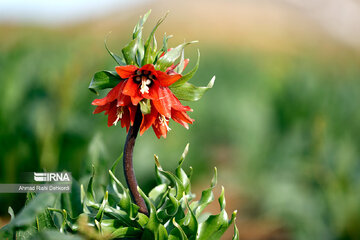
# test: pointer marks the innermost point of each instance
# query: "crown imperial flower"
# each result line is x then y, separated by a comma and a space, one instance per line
150, 81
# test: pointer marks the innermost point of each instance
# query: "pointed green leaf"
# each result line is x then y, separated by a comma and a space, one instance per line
140, 24
165, 42
158, 193
11, 212
118, 59
171, 56
172, 205
90, 195
44, 221
124, 198
207, 197
236, 232
72, 201
100, 214
150, 51
113, 167
130, 51
127, 233
180, 67
35, 207
104, 79
177, 233
153, 229
180, 173
190, 224
187, 76
215, 226
189, 92
176, 182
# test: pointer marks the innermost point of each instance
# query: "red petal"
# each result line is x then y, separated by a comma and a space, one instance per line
112, 114
181, 117
99, 102
125, 120
99, 109
175, 103
132, 111
135, 100
153, 92
126, 71
163, 104
130, 88
148, 120
166, 80
148, 67
111, 96
159, 129
123, 100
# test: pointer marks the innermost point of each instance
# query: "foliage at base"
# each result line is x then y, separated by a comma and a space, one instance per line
79, 215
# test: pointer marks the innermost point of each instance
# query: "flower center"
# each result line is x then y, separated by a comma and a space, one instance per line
164, 122
119, 115
144, 85
144, 79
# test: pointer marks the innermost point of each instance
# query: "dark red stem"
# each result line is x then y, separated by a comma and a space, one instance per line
128, 162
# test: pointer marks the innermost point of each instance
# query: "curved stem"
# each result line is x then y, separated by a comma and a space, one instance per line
128, 162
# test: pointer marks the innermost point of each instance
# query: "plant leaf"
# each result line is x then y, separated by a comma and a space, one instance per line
215, 226
170, 57
151, 51
104, 79
118, 59
206, 198
153, 229
138, 27
177, 233
187, 76
145, 106
189, 92
130, 51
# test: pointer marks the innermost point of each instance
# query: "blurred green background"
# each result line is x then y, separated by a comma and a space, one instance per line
281, 124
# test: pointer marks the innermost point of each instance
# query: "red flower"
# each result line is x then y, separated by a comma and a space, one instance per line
121, 102
144, 82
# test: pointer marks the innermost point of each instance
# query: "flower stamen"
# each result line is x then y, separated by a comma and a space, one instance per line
164, 122
119, 115
144, 85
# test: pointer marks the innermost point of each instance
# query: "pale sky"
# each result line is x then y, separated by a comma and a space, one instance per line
58, 11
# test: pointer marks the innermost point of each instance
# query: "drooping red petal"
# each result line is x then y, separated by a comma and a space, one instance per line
153, 91
132, 111
130, 88
99, 109
163, 104
123, 100
111, 96
159, 128
126, 71
125, 119
175, 103
181, 117
147, 121
112, 114
165, 79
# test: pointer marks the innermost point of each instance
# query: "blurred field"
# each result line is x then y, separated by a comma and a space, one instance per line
281, 124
